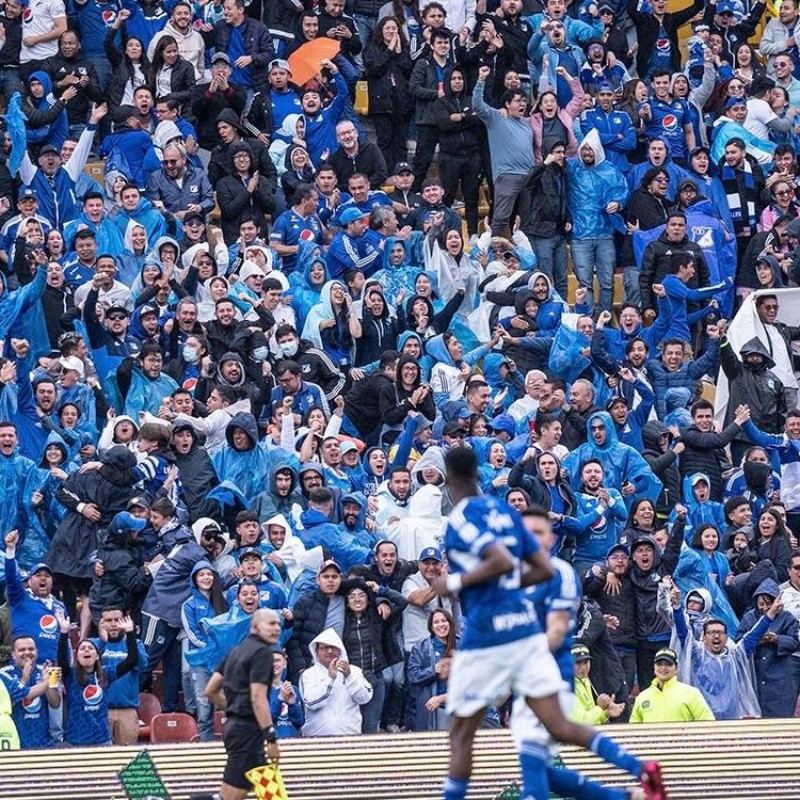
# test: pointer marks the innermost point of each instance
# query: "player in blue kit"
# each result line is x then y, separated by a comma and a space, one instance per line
556, 601
86, 682
503, 649
30, 694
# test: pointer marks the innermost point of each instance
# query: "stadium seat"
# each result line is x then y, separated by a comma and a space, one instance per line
172, 728
149, 707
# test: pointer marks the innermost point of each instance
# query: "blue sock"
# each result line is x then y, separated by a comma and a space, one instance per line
605, 747
533, 760
455, 789
569, 783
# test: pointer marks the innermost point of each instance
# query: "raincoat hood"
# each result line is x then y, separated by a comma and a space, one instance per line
593, 140
611, 431
432, 458
329, 637
437, 348
652, 431
247, 423
701, 596
755, 347
768, 587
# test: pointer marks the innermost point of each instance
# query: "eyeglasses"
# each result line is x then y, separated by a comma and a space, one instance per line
783, 63
783, 192
770, 306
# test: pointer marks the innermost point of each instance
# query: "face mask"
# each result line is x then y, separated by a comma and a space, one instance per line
190, 354
288, 349
261, 353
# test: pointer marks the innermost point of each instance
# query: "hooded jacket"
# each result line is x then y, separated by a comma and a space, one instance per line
332, 705
269, 502
549, 208
591, 189
198, 476
663, 464
759, 387
462, 139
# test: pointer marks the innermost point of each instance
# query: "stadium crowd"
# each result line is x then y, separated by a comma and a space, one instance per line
232, 368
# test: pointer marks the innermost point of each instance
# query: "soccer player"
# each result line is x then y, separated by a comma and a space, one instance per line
503, 648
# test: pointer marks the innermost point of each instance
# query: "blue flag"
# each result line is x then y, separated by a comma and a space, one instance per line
15, 121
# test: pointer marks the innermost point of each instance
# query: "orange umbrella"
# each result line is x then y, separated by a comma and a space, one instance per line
304, 62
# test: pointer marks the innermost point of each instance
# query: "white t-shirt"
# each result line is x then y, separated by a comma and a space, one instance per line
38, 18
759, 115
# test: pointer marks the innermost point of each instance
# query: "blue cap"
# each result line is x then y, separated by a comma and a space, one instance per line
350, 215
250, 551
431, 554
504, 422
125, 521
605, 86
735, 101
36, 567
618, 546
726, 6
26, 192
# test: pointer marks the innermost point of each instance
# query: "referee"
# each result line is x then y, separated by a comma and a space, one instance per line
241, 684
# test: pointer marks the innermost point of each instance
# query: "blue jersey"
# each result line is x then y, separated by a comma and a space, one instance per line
667, 123
560, 593
33, 616
270, 595
94, 20
124, 692
290, 229
31, 717
497, 611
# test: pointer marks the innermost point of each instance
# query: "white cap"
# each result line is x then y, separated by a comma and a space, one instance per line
73, 363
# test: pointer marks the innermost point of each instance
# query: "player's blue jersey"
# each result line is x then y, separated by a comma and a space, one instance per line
497, 611
560, 593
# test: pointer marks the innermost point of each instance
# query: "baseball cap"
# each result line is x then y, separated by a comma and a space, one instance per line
605, 7
328, 563
48, 148
605, 87
665, 654
735, 101
279, 63
26, 192
580, 652
454, 428
192, 215
350, 215
686, 183
117, 310
402, 166
643, 538
617, 547
431, 554
125, 521
138, 502
73, 363
145, 310
219, 56
614, 400
347, 447
38, 567
726, 7
250, 551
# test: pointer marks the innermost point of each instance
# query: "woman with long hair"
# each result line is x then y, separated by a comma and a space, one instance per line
86, 682
387, 68
748, 67
170, 75
428, 670
773, 542
130, 67
783, 204
706, 541
635, 104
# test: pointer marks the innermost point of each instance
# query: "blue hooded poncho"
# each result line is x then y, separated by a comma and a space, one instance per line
622, 464
55, 132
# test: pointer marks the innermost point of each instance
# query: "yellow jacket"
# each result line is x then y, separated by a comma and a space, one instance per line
585, 710
9, 740
674, 702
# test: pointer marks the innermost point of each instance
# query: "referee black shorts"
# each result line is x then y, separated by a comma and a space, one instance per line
244, 744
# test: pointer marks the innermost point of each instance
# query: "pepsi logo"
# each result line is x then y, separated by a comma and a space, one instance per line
92, 694
663, 45
27, 15
32, 704
189, 384
48, 623
307, 235
109, 15
670, 122
599, 524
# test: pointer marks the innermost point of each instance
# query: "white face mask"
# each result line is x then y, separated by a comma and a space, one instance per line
260, 353
288, 349
190, 354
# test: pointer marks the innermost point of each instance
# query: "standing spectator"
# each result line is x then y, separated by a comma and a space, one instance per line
596, 191
427, 85
332, 689
387, 68
460, 139
11, 20
341, 27
355, 157
190, 43
428, 670
248, 45
43, 22
511, 149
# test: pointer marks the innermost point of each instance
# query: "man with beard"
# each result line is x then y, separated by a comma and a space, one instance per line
390, 504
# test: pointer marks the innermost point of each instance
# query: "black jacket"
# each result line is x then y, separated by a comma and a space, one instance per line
664, 466
234, 200
207, 106
198, 478
548, 191
368, 161
387, 74
181, 81
122, 71
361, 402
310, 612
762, 390
12, 44
58, 67
347, 47
221, 164
460, 139
656, 262
318, 368
622, 605
424, 88
705, 452
608, 676
649, 212
124, 583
